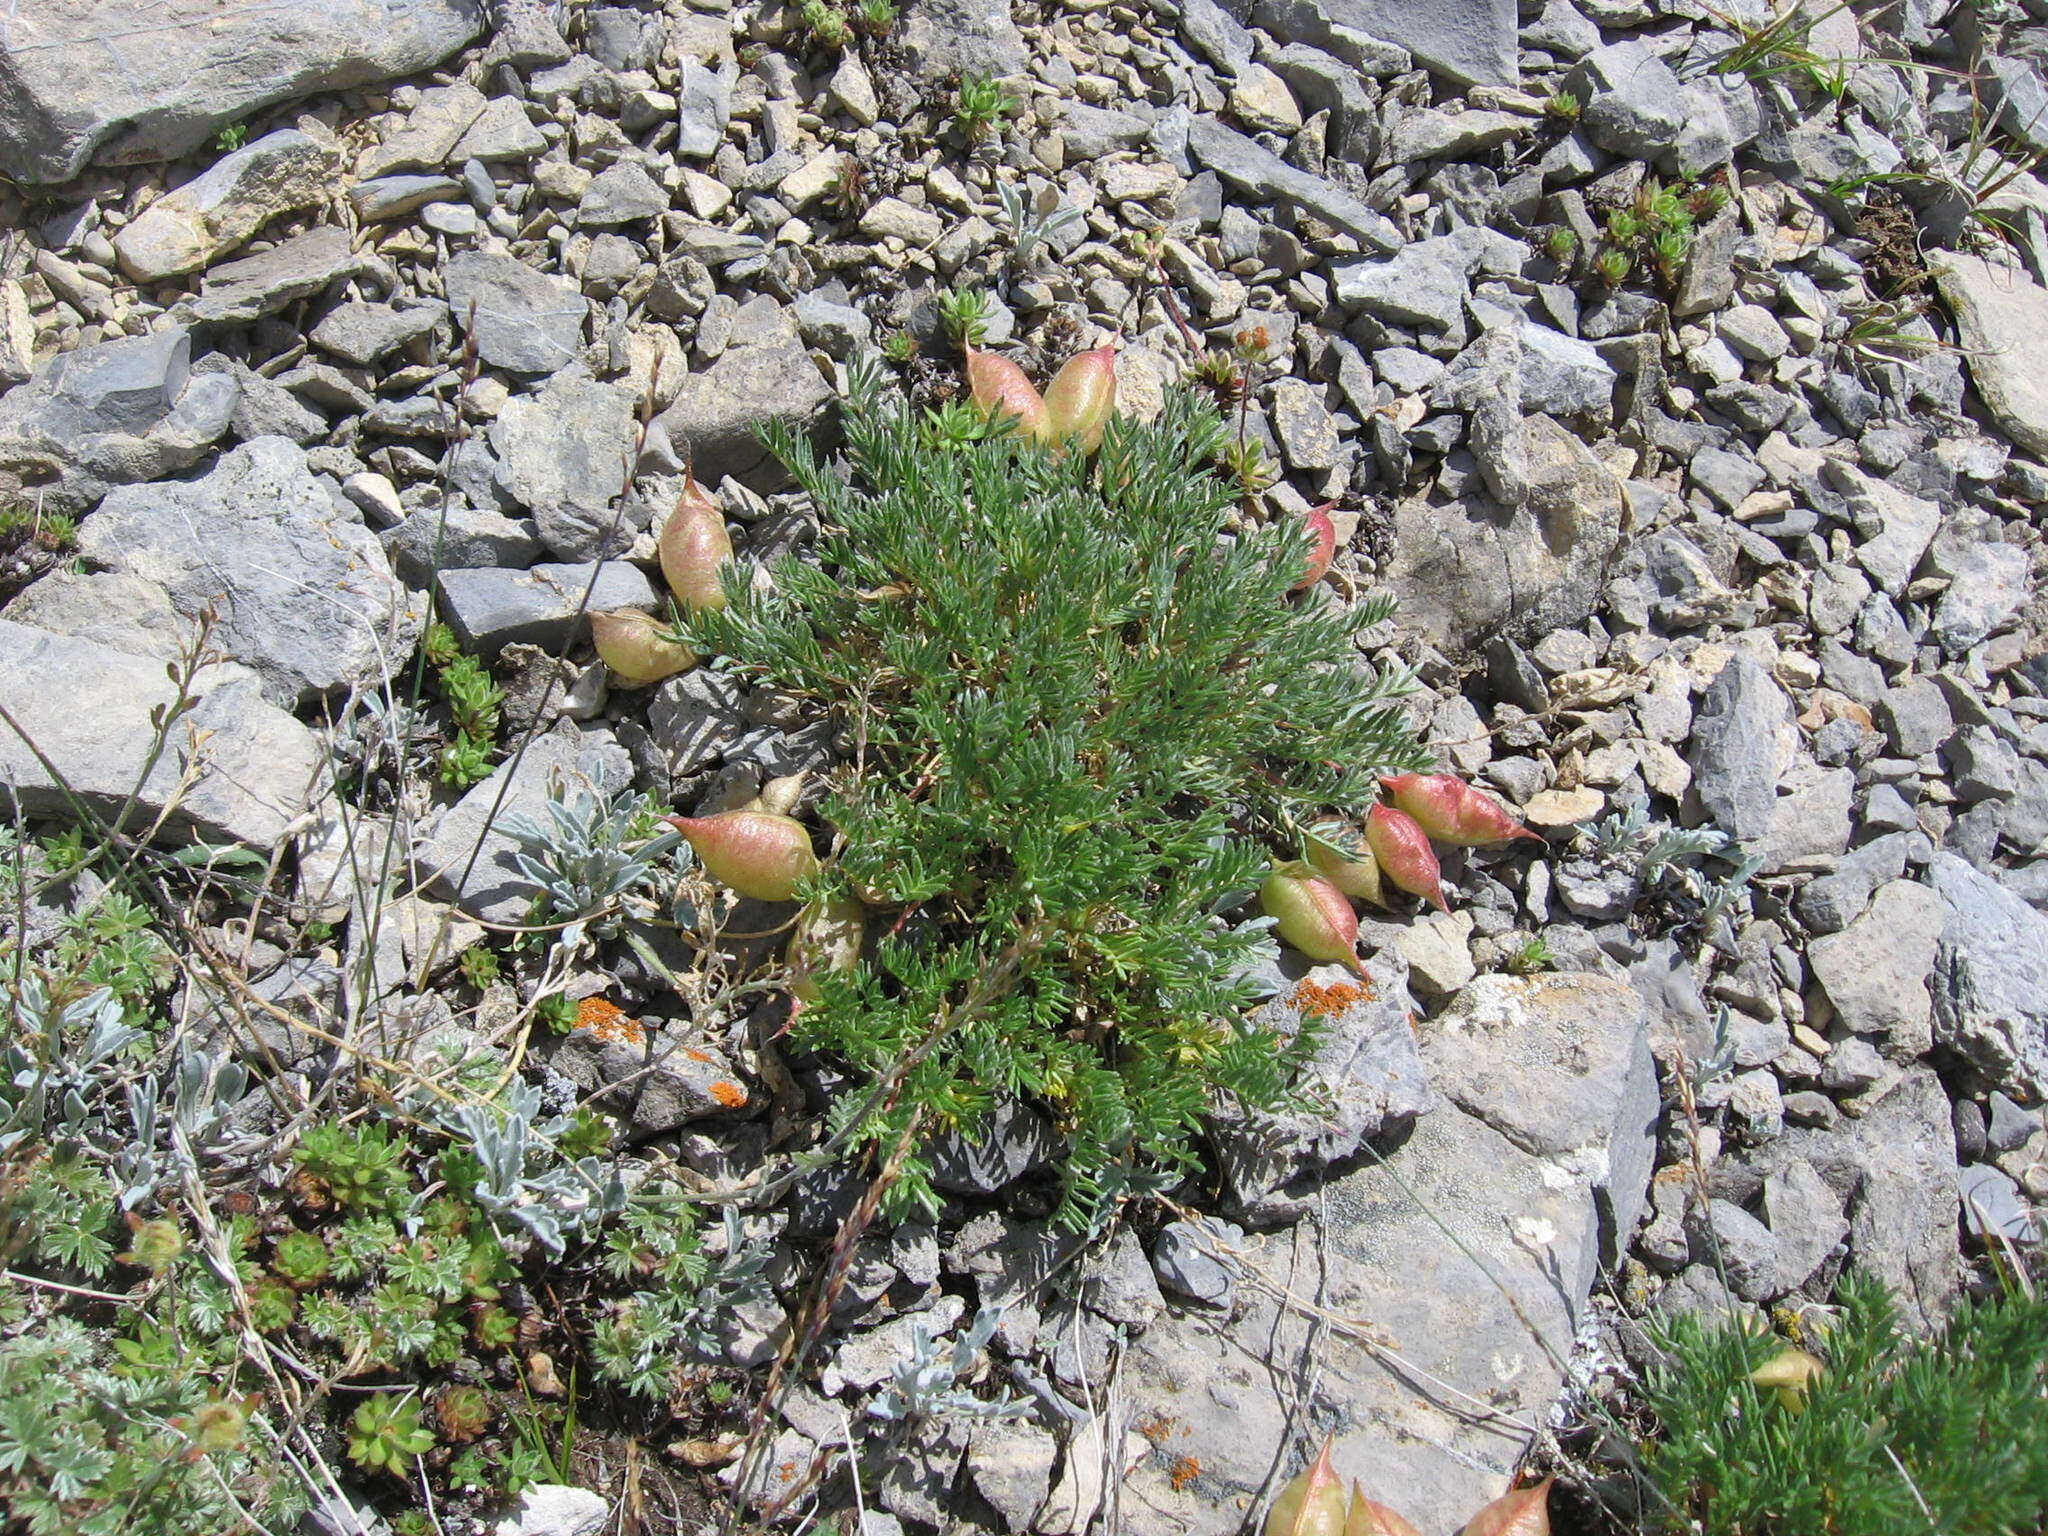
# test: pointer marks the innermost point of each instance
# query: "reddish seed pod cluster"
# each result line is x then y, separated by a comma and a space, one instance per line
1074, 409
1307, 900
1315, 1503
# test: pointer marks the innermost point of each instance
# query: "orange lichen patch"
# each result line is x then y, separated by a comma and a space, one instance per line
1185, 1470
696, 1055
608, 1022
731, 1095
1331, 1002
1157, 1426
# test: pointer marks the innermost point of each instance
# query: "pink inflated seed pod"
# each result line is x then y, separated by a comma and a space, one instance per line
1000, 389
1402, 850
1324, 549
1312, 915
1081, 398
758, 854
1452, 811
636, 646
694, 547
1312, 1503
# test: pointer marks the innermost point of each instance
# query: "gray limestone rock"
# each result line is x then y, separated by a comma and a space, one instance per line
1806, 1222
521, 320
659, 1079
303, 591
429, 134
491, 608
1190, 1261
1875, 971
464, 537
564, 455
1990, 583
1468, 569
1010, 1142
1453, 1252
1471, 42
468, 857
238, 292
1741, 1247
1364, 1081
2002, 315
143, 80
1630, 102
112, 608
1423, 284
1263, 174
718, 411
360, 333
113, 413
943, 38
222, 207
1991, 978
1740, 744
88, 710
1559, 1064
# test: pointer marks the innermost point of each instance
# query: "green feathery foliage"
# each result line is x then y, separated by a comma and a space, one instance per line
1945, 1435
1088, 717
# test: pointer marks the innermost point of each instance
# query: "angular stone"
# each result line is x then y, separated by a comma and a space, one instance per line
942, 39
659, 1079
468, 859
1259, 172
88, 708
222, 207
1558, 1064
502, 131
1455, 1250
1989, 584
1420, 285
1991, 979
718, 412
564, 455
238, 292
429, 134
1740, 742
2002, 315
1806, 1221
490, 609
1467, 570
625, 194
1471, 42
1875, 971
361, 333
524, 321
1365, 1074
1630, 102
153, 79
112, 608
303, 592
392, 197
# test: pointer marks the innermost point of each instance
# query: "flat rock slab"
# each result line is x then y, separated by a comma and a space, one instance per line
109, 414
1473, 42
468, 860
304, 592
718, 414
1991, 979
1413, 1299
521, 320
141, 80
87, 709
1470, 569
2003, 316
224, 205
238, 292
